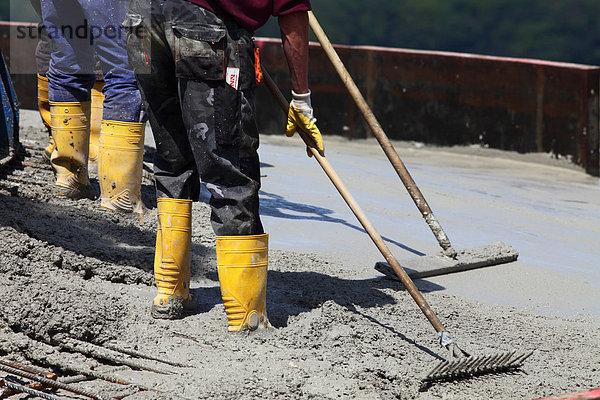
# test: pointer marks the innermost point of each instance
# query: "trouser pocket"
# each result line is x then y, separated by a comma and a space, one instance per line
200, 51
138, 44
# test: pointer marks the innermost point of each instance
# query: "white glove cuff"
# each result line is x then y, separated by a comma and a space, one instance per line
302, 103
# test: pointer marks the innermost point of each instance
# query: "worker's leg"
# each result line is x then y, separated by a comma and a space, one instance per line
96, 119
42, 60
175, 172
71, 70
70, 78
150, 55
121, 144
224, 139
122, 101
44, 109
222, 132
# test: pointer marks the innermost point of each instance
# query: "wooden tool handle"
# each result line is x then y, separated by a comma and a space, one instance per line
360, 215
378, 132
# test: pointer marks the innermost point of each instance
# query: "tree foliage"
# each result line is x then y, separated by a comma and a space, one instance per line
557, 30
17, 10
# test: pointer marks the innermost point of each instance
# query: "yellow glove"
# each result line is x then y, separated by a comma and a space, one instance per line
300, 115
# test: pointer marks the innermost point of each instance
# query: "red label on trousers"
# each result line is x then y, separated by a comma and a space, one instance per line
233, 77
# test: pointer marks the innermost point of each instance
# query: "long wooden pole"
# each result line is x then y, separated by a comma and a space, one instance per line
378, 132
360, 215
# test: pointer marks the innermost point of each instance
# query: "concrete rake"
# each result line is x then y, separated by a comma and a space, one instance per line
460, 364
449, 260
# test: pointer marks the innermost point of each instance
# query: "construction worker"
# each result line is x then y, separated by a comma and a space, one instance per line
196, 66
81, 30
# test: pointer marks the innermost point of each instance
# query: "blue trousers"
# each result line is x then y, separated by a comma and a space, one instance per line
81, 30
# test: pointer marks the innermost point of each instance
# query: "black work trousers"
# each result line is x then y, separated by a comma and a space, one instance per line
195, 71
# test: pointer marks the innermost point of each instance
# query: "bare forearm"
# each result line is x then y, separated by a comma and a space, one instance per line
294, 35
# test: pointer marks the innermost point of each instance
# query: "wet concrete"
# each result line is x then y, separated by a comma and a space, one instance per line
545, 208
71, 271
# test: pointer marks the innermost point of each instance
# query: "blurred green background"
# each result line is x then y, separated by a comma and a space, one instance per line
556, 30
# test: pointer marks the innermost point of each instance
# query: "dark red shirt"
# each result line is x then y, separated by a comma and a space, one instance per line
252, 14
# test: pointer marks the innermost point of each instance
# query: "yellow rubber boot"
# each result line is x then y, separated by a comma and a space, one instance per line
120, 165
172, 259
70, 124
44, 108
96, 119
242, 262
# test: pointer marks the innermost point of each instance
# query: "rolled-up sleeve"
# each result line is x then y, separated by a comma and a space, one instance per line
283, 7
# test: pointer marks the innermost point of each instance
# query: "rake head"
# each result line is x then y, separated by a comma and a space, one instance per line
466, 367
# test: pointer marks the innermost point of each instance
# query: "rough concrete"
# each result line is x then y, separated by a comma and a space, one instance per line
70, 270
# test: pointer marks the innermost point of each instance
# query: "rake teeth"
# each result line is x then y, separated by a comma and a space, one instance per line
472, 366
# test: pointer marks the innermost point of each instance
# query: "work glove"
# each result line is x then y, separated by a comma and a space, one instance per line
300, 115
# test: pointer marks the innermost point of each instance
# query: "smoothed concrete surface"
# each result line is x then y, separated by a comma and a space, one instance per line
546, 209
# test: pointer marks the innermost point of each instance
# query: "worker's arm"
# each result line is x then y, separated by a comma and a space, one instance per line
294, 36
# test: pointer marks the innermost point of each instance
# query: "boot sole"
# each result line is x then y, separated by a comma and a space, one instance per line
86, 192
176, 308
